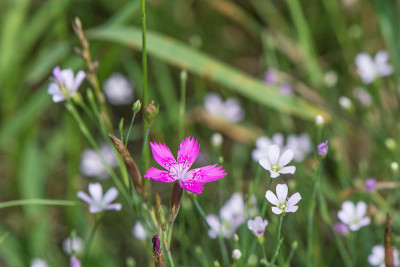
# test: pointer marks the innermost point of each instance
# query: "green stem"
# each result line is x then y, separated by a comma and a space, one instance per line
264, 208
264, 253
278, 242
144, 51
91, 236
48, 202
171, 261
310, 219
130, 128
182, 105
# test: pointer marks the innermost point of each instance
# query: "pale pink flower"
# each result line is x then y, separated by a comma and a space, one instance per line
229, 110
276, 163
371, 68
354, 215
257, 226
192, 180
64, 78
97, 202
280, 200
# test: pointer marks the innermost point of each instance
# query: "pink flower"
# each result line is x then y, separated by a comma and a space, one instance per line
192, 180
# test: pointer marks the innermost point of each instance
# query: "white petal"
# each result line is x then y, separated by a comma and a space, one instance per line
294, 199
364, 222
288, 169
271, 198
281, 192
278, 139
115, 206
78, 79
276, 210
68, 76
286, 157
274, 174
349, 209
361, 209
110, 195
96, 191
251, 225
343, 217
291, 209
95, 209
263, 142
58, 98
82, 195
273, 154
264, 162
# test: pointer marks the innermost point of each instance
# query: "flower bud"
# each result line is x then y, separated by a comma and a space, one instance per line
390, 143
216, 140
150, 113
394, 166
236, 254
136, 106
319, 120
323, 148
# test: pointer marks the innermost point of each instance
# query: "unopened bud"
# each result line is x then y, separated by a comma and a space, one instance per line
136, 106
184, 75
150, 113
236, 254
394, 166
216, 264
319, 120
345, 103
216, 140
235, 238
390, 143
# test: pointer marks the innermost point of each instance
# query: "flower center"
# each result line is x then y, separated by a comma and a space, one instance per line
282, 206
178, 170
275, 167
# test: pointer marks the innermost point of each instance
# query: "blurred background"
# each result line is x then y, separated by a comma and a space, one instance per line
229, 48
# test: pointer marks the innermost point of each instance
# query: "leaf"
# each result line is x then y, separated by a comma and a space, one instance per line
184, 57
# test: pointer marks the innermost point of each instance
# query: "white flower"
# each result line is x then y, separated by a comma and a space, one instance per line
217, 139
282, 203
92, 165
118, 89
97, 202
300, 145
377, 256
76, 245
64, 78
369, 69
139, 232
363, 96
236, 254
263, 143
275, 163
319, 120
36, 262
345, 102
330, 78
232, 215
257, 226
230, 110
354, 215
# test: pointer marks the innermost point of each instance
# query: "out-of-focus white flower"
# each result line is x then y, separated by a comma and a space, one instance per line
257, 226
263, 143
276, 163
377, 256
330, 78
92, 165
229, 110
64, 83
74, 247
232, 215
216, 140
280, 200
97, 202
36, 262
345, 102
300, 145
139, 232
394, 166
354, 215
369, 69
363, 96
118, 89
236, 254
319, 120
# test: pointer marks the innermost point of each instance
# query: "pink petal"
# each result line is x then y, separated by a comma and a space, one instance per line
192, 186
205, 174
162, 155
159, 175
188, 152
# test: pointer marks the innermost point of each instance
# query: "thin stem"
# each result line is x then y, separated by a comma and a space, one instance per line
144, 51
264, 253
171, 261
91, 236
264, 208
182, 105
130, 128
278, 242
48, 202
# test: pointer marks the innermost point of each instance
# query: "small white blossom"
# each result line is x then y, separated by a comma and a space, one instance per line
97, 202
229, 110
139, 232
118, 89
394, 166
257, 226
363, 96
76, 245
263, 143
276, 163
330, 78
280, 200
216, 140
319, 120
377, 256
92, 165
369, 69
64, 78
354, 215
36, 262
236, 254
345, 102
